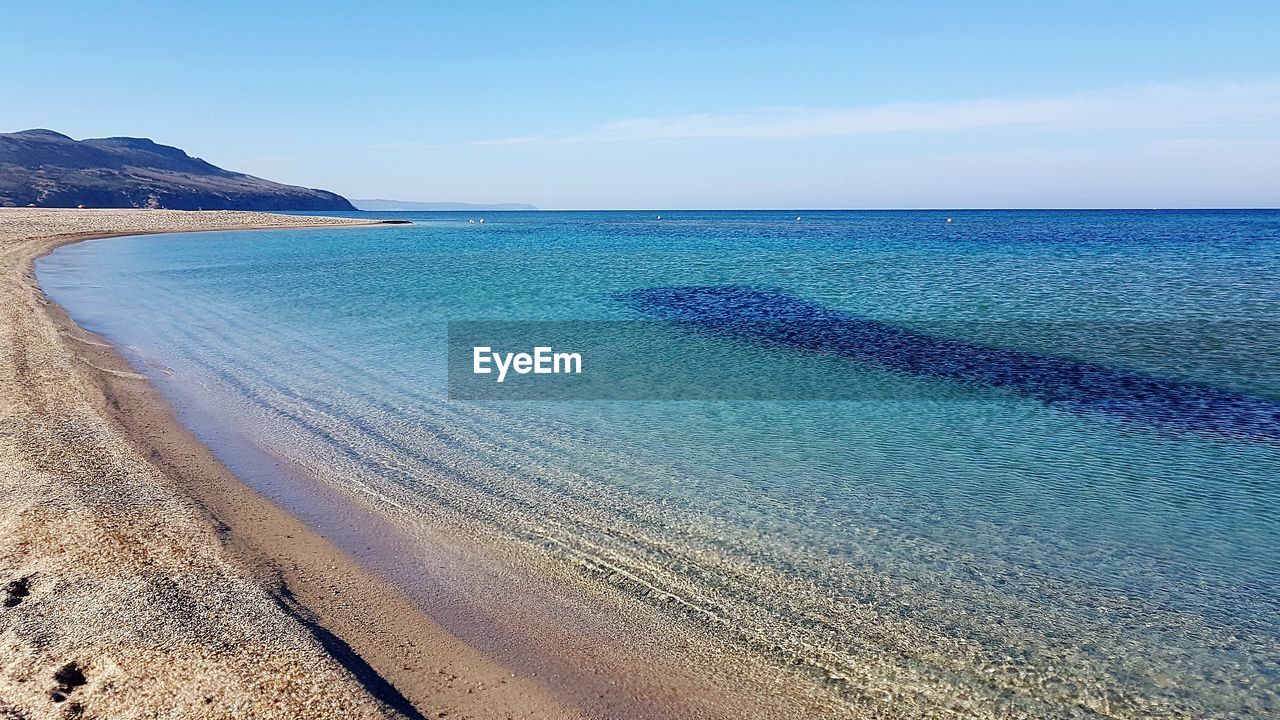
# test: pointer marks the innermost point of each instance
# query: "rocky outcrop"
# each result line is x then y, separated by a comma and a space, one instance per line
48, 169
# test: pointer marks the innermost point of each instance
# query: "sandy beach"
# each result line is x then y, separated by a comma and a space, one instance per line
140, 578
693, 362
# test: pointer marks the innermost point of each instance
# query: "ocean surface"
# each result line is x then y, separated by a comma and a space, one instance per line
1109, 553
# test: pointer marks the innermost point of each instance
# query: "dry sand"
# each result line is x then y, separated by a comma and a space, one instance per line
139, 578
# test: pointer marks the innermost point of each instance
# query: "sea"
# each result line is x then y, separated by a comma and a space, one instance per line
1051, 483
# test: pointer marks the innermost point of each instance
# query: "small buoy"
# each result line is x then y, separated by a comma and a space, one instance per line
948, 219
797, 218
471, 222
481, 221
659, 217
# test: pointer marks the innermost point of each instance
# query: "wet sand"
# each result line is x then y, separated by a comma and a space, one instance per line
140, 578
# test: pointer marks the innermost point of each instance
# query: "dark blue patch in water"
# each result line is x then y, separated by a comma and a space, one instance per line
782, 320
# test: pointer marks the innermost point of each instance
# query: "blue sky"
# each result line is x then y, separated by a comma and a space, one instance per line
680, 105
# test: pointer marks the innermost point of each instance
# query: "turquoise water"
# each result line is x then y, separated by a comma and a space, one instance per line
1020, 555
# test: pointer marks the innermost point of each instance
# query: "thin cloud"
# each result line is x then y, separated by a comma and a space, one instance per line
1166, 106
406, 145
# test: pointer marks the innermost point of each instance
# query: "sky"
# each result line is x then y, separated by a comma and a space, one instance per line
673, 105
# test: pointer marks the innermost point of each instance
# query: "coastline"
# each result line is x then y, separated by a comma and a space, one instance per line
415, 622
141, 576
402, 600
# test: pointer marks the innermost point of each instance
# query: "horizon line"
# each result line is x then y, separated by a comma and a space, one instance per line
863, 209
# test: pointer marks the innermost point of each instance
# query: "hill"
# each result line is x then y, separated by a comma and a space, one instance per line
48, 169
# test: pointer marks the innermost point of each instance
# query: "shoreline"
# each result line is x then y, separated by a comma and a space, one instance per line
417, 620
242, 576
367, 650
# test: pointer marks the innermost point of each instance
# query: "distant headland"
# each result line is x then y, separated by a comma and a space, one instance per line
411, 206
43, 168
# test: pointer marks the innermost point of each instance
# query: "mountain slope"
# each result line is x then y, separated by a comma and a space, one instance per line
49, 169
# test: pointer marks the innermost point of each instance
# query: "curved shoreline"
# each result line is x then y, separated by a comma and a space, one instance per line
507, 567
174, 556
412, 613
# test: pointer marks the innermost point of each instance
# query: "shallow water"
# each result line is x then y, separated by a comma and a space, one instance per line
1021, 555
